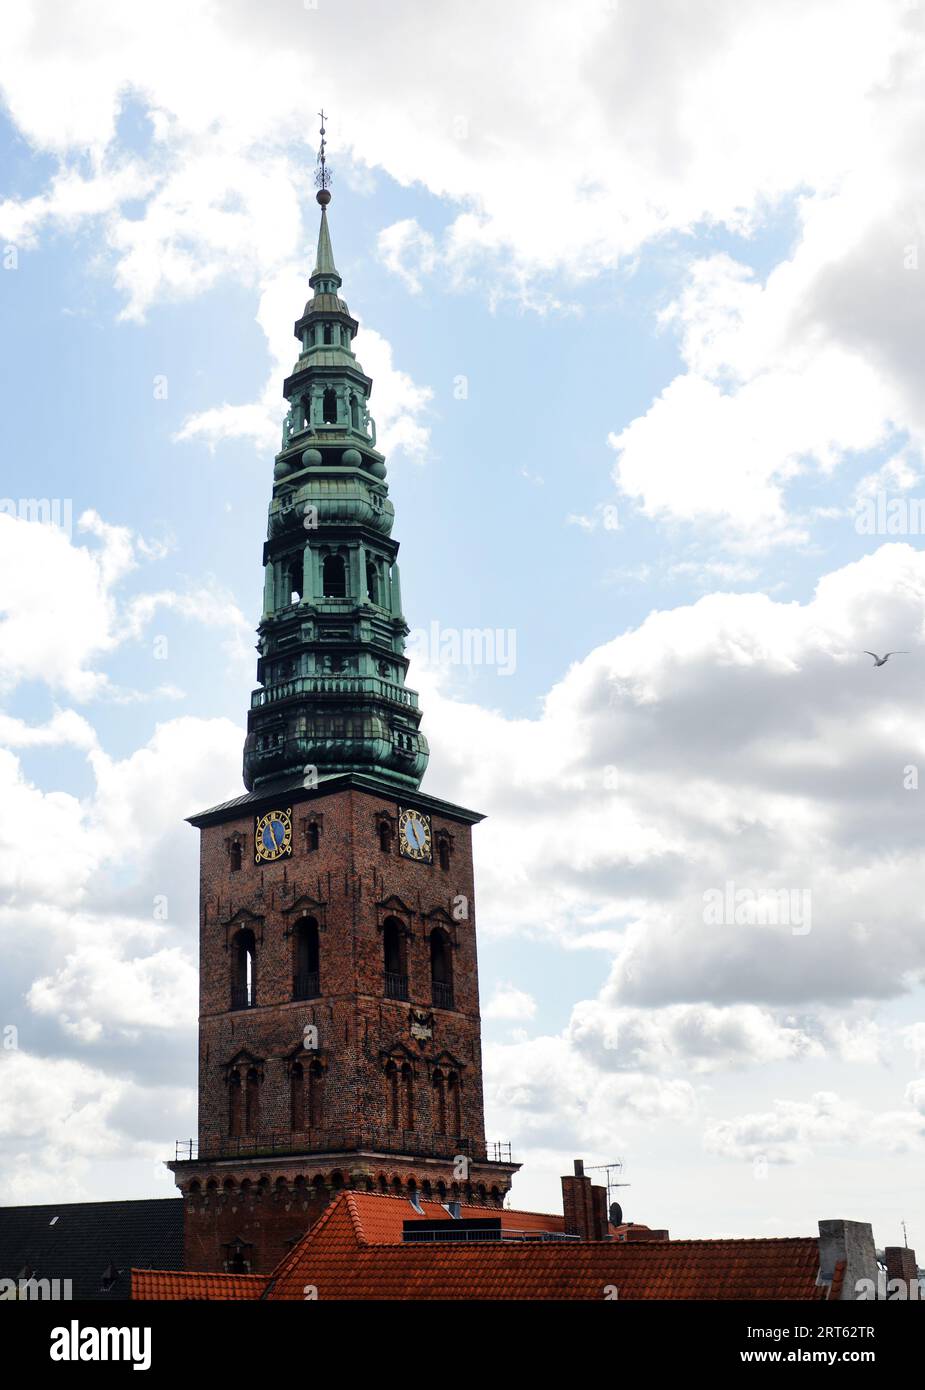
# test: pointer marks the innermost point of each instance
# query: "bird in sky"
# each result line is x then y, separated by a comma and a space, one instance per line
882, 660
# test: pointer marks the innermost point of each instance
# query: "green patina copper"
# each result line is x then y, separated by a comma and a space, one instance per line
332, 697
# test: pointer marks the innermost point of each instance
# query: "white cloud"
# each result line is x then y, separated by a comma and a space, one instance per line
509, 1002
736, 739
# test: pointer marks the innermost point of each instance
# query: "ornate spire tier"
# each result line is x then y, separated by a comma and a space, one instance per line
331, 670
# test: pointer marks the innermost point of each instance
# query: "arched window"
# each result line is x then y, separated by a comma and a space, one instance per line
443, 852
441, 969
328, 334
439, 1103
395, 959
236, 855
385, 836
252, 1102
243, 970
235, 1111
334, 577
354, 412
329, 407
314, 835
294, 578
372, 581
305, 983
455, 1103
296, 1097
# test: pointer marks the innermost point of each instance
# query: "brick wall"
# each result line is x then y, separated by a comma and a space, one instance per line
349, 886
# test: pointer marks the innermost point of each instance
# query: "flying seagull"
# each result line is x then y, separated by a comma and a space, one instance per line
882, 660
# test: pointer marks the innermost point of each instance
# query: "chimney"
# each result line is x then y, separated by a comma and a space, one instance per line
851, 1244
901, 1264
584, 1206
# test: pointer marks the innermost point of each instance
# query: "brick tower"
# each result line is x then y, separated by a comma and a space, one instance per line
339, 1033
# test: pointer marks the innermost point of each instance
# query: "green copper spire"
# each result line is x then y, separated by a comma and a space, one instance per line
331, 669
325, 270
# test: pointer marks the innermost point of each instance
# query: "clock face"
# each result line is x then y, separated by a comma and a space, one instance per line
414, 836
273, 836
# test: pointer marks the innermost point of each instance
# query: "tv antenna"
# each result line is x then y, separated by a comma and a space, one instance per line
613, 1171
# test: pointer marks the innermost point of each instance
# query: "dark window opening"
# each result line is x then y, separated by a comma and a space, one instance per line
395, 959
329, 407
236, 854
328, 334
244, 970
441, 969
306, 977
443, 852
372, 581
314, 835
385, 837
334, 577
294, 581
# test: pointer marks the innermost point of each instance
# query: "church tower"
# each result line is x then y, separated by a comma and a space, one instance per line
339, 1032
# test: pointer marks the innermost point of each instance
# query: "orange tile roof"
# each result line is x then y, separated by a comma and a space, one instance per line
721, 1269
354, 1251
164, 1284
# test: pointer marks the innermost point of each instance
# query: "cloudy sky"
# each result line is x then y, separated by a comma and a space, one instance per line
640, 293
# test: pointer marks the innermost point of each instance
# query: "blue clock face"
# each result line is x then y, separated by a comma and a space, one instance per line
273, 837
414, 839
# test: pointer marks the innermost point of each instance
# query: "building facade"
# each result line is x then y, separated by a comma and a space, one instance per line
339, 1036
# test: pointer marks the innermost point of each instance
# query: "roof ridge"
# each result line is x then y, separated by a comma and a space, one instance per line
280, 1269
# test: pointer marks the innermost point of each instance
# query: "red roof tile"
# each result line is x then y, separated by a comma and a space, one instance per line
354, 1251
164, 1284
722, 1269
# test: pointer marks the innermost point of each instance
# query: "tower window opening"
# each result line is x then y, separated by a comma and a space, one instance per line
441, 969
372, 581
314, 835
385, 837
395, 959
334, 577
244, 970
294, 581
236, 855
306, 977
328, 334
443, 852
329, 407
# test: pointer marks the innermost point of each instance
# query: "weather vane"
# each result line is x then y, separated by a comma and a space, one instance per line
323, 173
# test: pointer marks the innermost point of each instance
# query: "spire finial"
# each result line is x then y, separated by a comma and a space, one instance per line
323, 173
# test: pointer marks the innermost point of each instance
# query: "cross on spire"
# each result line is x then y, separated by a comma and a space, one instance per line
322, 173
